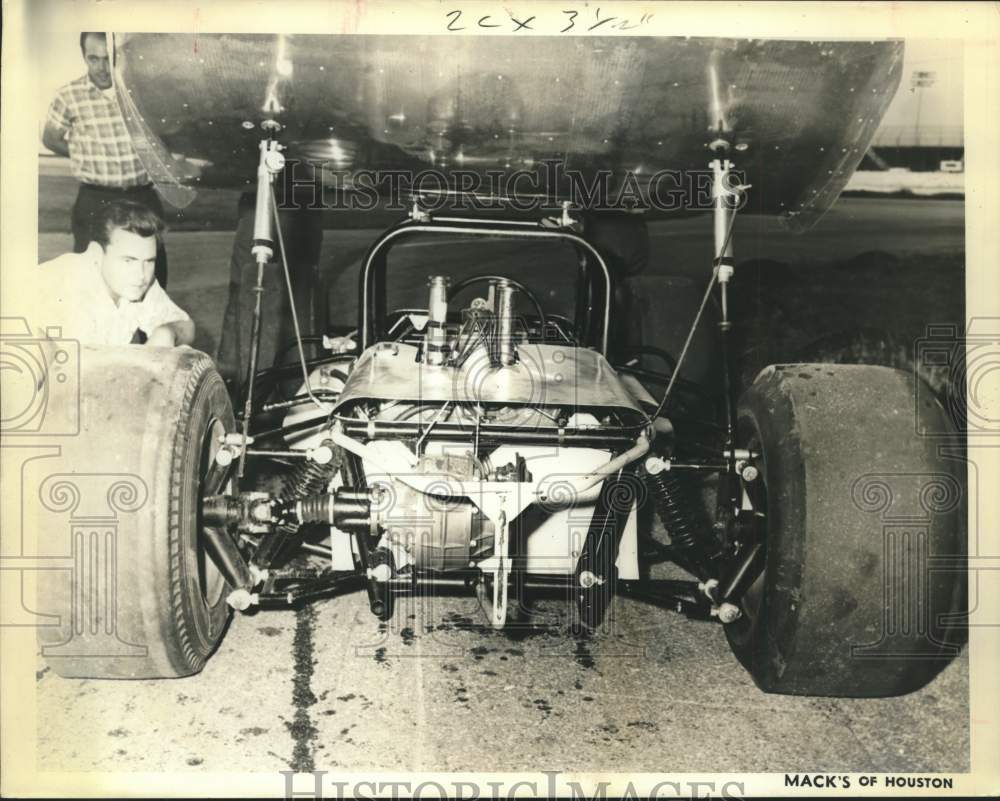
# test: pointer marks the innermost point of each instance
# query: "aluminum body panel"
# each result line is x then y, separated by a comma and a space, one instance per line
801, 113
545, 375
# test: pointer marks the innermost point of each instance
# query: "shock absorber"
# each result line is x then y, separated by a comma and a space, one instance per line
307, 478
669, 497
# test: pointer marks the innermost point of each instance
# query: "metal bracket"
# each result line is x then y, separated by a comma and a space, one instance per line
498, 568
416, 213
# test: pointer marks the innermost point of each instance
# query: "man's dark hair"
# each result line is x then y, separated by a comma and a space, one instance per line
127, 215
85, 34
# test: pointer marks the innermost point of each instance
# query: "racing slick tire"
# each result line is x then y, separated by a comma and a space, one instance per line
143, 598
864, 533
889, 349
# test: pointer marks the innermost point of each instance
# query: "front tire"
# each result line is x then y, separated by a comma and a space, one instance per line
151, 417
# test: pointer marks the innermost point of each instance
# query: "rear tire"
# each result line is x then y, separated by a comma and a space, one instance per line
864, 534
878, 346
151, 417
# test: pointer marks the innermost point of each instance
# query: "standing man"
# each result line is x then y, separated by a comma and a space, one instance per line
85, 124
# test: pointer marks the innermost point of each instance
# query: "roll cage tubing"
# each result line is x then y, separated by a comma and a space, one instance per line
371, 327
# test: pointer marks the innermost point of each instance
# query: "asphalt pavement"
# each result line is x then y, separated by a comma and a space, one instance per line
329, 688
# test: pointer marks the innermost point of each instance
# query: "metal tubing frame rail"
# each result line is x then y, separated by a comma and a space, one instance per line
676, 595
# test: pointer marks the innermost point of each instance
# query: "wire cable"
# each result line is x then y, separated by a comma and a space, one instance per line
697, 319
291, 303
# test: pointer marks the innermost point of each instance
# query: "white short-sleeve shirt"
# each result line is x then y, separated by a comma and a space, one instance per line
75, 298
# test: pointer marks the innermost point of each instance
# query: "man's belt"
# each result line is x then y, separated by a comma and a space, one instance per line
124, 190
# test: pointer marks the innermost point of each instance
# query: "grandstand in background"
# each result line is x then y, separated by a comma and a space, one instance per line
922, 130
922, 148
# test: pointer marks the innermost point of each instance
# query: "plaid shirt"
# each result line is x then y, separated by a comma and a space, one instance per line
100, 148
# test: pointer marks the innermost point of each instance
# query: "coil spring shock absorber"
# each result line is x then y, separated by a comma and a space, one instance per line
307, 478
670, 499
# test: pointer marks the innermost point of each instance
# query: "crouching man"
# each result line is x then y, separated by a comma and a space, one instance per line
107, 295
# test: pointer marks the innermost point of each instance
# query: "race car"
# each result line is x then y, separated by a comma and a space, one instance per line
486, 441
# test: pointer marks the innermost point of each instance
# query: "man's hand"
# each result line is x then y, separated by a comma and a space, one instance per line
170, 335
162, 337
54, 139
